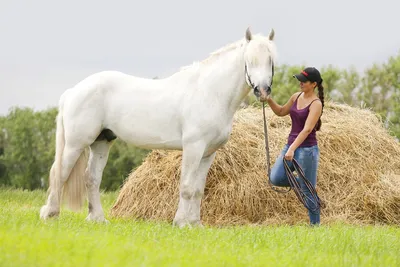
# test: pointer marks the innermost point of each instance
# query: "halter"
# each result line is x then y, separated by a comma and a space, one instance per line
248, 77
251, 83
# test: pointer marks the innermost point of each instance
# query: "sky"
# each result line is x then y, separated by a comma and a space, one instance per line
48, 46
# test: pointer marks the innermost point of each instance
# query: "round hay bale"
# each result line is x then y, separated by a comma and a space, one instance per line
358, 177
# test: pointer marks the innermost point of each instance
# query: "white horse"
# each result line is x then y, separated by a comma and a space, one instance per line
191, 110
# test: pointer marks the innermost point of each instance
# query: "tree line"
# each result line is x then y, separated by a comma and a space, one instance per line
27, 147
27, 137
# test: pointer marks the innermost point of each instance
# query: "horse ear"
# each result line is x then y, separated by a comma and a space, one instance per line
271, 35
248, 34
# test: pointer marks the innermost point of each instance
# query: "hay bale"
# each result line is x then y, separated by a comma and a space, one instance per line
358, 178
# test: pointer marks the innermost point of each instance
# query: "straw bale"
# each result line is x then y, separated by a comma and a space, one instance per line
358, 177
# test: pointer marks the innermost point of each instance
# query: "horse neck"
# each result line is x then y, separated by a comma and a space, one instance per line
228, 73
223, 79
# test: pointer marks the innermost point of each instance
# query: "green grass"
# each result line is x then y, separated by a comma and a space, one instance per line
25, 240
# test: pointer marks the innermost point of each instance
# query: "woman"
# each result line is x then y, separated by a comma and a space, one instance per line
305, 109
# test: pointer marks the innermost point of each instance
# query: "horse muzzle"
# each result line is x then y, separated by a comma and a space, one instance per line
262, 92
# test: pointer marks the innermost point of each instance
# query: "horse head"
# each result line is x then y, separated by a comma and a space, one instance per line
259, 57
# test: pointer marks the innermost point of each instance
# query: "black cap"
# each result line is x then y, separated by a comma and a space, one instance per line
309, 74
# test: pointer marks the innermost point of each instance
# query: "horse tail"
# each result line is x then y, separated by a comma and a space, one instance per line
74, 188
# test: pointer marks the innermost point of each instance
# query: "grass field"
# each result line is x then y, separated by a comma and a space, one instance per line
70, 241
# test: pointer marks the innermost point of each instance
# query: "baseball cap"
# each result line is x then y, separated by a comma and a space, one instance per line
309, 74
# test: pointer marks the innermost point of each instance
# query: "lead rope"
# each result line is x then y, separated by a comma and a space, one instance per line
268, 156
297, 187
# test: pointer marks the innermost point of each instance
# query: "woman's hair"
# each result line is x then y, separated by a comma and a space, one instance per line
321, 97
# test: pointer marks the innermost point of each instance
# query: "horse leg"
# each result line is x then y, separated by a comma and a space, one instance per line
194, 172
199, 185
69, 158
98, 157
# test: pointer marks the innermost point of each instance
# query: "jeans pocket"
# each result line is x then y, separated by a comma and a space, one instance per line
315, 154
306, 152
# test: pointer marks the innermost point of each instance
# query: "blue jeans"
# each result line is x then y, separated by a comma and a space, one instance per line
308, 158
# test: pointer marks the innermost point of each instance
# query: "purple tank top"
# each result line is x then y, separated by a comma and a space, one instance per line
299, 117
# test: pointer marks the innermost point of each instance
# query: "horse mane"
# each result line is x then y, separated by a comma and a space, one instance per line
232, 46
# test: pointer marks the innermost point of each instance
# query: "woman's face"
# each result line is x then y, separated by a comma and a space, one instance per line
307, 86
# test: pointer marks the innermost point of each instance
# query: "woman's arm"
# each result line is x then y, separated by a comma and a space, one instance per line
282, 110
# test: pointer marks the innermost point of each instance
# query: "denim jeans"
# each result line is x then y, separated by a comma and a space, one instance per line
308, 158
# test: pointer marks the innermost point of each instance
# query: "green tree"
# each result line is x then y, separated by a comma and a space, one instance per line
380, 91
341, 84
348, 86
28, 147
331, 77
3, 168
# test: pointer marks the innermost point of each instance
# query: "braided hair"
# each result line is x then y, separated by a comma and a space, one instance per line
321, 97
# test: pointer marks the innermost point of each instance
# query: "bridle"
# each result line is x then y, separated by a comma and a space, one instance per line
255, 88
292, 179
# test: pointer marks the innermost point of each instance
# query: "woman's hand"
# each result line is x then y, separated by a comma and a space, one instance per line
289, 154
264, 98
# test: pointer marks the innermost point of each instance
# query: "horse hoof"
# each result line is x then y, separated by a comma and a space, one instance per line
46, 213
187, 224
99, 219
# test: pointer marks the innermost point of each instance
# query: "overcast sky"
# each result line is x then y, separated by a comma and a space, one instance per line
48, 46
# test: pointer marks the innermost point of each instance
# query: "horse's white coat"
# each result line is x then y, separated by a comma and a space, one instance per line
191, 110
